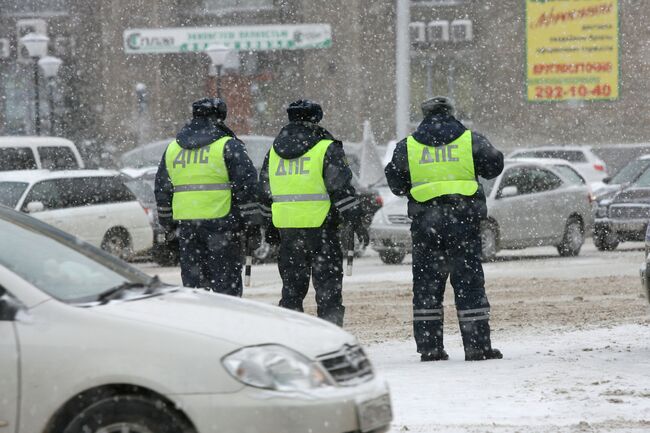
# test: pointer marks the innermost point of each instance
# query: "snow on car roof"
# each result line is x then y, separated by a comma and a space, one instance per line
32, 176
542, 161
569, 147
24, 141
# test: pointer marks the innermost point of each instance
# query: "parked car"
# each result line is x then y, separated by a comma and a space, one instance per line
590, 166
165, 252
33, 153
91, 344
645, 267
625, 216
627, 175
534, 202
94, 205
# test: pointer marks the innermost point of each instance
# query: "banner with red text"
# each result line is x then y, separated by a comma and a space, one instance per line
572, 50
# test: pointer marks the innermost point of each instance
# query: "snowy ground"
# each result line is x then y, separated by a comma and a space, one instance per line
574, 331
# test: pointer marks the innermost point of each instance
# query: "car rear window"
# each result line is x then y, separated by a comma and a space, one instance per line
570, 174
57, 158
10, 192
630, 172
567, 155
17, 158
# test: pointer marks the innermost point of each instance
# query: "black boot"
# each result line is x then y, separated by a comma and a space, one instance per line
434, 355
476, 341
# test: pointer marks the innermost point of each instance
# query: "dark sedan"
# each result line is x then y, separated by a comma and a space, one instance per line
625, 216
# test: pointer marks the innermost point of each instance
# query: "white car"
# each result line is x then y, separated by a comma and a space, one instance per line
534, 202
89, 344
32, 153
94, 205
590, 166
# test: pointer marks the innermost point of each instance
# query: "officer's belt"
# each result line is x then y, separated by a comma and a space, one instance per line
300, 197
203, 187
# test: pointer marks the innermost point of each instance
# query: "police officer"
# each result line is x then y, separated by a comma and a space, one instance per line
305, 195
206, 191
437, 168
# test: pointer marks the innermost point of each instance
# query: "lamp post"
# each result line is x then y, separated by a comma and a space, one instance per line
36, 45
50, 66
218, 55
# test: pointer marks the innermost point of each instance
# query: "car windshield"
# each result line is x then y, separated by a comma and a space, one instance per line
63, 272
10, 193
569, 174
643, 180
630, 172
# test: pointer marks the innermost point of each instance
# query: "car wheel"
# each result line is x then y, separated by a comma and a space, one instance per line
392, 257
489, 245
128, 414
116, 242
573, 238
605, 239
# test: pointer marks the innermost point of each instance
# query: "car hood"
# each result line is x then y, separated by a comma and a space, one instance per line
231, 319
633, 195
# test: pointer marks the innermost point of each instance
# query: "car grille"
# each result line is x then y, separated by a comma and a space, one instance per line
348, 366
629, 212
399, 219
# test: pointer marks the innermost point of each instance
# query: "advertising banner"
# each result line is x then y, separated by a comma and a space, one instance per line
572, 50
238, 38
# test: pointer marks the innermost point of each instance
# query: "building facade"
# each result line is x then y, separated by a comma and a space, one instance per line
113, 100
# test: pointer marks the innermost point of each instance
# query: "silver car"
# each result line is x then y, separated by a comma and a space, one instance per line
534, 202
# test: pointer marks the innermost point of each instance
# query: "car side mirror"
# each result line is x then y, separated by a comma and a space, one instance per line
607, 179
35, 206
509, 191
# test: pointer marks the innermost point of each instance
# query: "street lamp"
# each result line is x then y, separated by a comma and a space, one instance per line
218, 56
50, 66
36, 45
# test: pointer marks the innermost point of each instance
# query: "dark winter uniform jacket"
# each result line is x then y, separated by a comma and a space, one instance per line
202, 131
293, 141
439, 130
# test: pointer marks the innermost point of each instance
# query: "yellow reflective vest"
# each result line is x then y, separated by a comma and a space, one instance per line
300, 198
441, 170
200, 179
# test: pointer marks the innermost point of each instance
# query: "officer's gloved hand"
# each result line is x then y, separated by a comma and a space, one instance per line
272, 235
361, 231
170, 232
253, 236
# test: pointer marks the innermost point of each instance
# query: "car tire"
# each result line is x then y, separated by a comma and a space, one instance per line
117, 242
392, 257
573, 238
128, 413
605, 240
489, 242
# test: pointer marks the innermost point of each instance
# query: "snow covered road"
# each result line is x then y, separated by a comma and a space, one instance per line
575, 334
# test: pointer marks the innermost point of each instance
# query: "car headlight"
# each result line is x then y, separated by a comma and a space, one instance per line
275, 367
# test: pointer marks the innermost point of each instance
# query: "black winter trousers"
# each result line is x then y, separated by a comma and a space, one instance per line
316, 253
448, 245
210, 257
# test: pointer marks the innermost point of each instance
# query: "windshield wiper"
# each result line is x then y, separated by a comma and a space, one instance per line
117, 291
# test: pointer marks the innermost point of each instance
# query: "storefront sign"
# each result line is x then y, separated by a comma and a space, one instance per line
239, 38
572, 50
